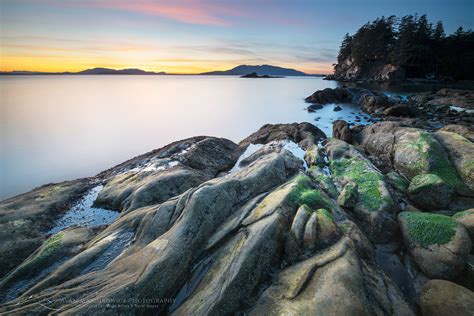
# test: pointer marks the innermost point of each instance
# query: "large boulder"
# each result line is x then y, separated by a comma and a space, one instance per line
403, 110
429, 191
412, 152
374, 103
303, 134
341, 130
441, 298
461, 154
161, 174
437, 243
328, 95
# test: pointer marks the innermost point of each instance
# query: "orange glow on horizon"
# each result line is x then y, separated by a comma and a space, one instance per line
58, 63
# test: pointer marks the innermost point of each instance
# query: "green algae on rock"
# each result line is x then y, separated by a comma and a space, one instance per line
305, 193
426, 229
424, 154
397, 181
429, 191
367, 180
375, 207
439, 245
323, 180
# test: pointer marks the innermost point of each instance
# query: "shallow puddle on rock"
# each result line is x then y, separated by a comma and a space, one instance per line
197, 274
249, 151
83, 214
112, 252
297, 151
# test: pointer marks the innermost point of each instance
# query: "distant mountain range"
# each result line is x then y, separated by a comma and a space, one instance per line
259, 70
93, 71
107, 71
237, 71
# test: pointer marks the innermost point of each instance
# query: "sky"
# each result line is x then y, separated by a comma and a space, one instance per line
192, 36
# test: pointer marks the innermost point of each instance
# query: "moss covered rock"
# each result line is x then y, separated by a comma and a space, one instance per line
437, 243
429, 191
306, 193
417, 152
461, 154
54, 251
323, 180
397, 181
374, 206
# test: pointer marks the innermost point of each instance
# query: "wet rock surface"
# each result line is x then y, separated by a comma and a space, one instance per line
285, 222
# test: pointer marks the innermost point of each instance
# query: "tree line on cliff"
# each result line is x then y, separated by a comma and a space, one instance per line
414, 44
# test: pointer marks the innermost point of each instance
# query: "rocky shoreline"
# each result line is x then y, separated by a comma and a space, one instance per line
427, 110
377, 220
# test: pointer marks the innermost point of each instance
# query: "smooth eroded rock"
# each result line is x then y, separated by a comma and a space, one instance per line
441, 298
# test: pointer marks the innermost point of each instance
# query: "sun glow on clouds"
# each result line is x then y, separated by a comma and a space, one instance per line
193, 12
173, 36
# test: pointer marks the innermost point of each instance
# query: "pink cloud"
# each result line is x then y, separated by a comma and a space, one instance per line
186, 11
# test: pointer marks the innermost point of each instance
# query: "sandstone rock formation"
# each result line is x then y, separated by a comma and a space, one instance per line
283, 222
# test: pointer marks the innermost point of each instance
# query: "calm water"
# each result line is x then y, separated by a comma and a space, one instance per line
55, 128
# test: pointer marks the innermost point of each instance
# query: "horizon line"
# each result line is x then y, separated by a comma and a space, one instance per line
152, 72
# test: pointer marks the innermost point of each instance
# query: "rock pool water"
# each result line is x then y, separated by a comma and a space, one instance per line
83, 214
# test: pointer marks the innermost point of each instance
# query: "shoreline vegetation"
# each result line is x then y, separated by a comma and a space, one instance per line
376, 220
392, 49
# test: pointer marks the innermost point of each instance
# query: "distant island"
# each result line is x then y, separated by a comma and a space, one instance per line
242, 70
92, 71
260, 70
255, 75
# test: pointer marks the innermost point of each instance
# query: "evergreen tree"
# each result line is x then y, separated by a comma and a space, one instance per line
412, 43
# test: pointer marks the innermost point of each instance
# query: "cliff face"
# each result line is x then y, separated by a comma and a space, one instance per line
348, 70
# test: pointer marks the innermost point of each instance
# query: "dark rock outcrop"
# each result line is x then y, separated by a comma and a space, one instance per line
328, 95
341, 130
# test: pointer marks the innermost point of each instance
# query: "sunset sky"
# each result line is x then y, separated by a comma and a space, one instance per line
185, 36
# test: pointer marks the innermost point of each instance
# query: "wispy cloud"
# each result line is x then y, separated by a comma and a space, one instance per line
185, 11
